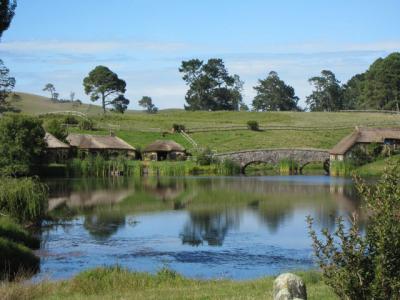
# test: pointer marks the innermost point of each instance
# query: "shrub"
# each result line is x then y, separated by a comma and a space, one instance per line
21, 144
253, 125
56, 128
365, 266
24, 199
85, 124
71, 120
178, 127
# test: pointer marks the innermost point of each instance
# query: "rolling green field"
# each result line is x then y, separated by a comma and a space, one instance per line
221, 131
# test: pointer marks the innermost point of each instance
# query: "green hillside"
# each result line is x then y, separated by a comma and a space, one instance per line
34, 104
222, 131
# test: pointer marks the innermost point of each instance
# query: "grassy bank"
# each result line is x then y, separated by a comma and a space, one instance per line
376, 168
117, 283
23, 202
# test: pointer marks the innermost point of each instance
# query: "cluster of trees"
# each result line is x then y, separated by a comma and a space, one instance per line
212, 88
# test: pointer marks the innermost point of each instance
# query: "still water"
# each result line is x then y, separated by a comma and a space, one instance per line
202, 227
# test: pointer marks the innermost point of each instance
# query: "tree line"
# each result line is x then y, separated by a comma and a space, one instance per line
211, 87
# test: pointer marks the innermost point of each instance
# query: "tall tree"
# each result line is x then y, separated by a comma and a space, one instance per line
210, 85
328, 93
7, 11
7, 84
21, 144
102, 83
378, 87
147, 103
49, 87
120, 104
273, 94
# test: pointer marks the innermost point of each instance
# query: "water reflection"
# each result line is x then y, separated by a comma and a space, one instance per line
237, 227
209, 226
214, 205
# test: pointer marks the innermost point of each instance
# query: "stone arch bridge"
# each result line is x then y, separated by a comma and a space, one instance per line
274, 156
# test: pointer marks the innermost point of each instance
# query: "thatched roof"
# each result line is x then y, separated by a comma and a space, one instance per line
164, 146
98, 142
365, 135
53, 143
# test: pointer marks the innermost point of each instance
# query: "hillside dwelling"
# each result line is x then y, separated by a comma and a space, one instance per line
164, 150
56, 151
107, 146
365, 136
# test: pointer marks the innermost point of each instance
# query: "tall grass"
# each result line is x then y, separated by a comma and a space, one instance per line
288, 167
340, 168
14, 232
182, 168
24, 199
97, 166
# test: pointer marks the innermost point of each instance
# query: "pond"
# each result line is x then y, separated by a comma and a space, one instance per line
202, 227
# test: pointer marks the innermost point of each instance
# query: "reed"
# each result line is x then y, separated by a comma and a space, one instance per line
24, 199
288, 167
340, 168
98, 166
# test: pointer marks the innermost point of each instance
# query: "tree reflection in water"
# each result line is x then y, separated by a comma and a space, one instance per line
103, 225
208, 226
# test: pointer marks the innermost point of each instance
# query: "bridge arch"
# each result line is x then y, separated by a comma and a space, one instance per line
274, 156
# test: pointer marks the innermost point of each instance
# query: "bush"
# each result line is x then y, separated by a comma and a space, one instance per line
56, 128
22, 144
365, 266
85, 124
178, 127
24, 199
71, 120
253, 125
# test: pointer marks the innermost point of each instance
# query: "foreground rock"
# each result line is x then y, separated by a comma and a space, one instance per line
288, 286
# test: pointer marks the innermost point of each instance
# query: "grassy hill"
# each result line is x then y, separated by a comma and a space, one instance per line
34, 104
222, 131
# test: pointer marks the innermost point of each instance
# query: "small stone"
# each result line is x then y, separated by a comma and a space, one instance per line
288, 286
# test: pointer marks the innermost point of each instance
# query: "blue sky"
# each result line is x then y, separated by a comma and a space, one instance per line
60, 41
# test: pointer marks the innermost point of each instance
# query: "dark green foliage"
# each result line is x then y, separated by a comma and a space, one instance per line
71, 120
16, 259
15, 233
57, 128
86, 124
7, 84
178, 127
365, 266
120, 104
102, 83
7, 11
210, 85
24, 199
21, 144
253, 125
378, 87
328, 94
273, 94
147, 103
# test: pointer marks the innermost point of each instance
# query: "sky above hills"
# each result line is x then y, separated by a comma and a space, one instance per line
144, 42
